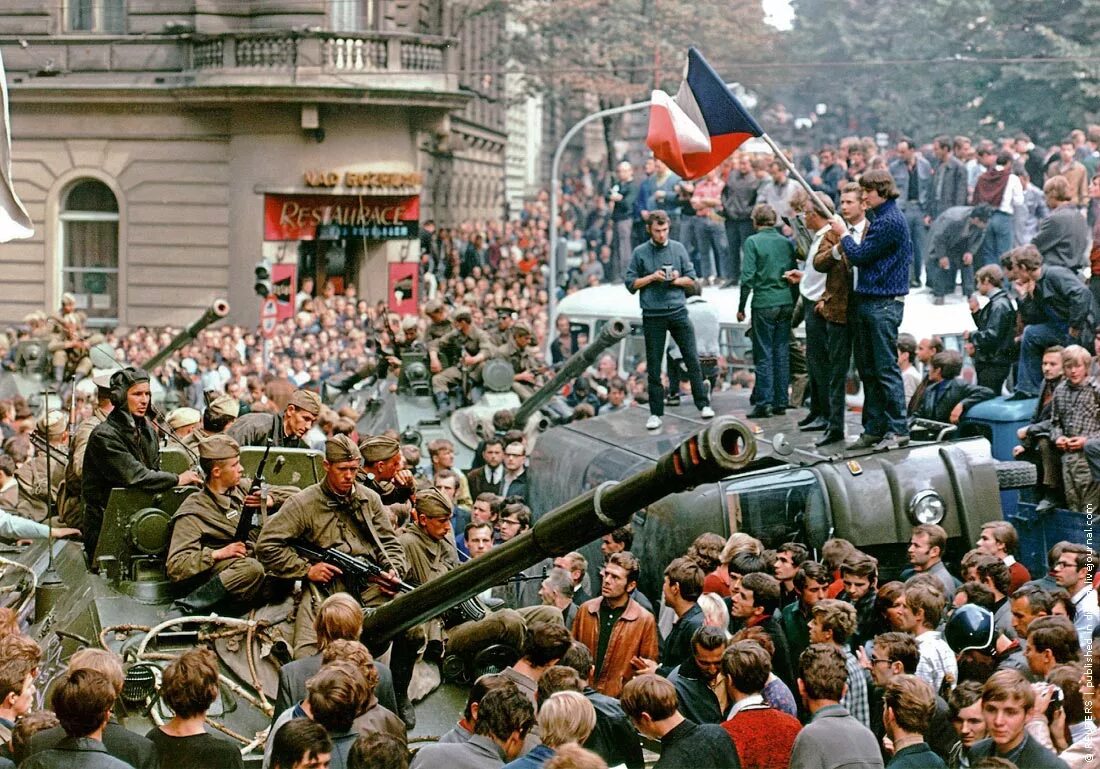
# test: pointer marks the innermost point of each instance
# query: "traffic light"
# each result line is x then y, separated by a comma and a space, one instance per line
264, 287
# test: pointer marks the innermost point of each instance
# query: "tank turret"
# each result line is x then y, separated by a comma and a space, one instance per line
215, 312
723, 448
613, 331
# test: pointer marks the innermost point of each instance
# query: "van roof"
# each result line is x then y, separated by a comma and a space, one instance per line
921, 317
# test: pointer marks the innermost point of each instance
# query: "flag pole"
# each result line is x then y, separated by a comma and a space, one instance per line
817, 201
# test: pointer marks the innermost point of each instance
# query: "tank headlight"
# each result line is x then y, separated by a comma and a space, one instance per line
927, 507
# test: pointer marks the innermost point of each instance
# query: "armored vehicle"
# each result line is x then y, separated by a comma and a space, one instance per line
872, 498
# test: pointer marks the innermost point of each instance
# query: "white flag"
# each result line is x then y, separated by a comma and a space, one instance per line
14, 221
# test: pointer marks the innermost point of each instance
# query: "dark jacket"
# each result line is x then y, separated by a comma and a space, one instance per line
952, 235
941, 397
614, 739
479, 484
885, 254
293, 676
900, 170
72, 753
1044, 408
918, 756
1063, 239
255, 428
697, 701
796, 628
949, 186
1059, 295
782, 659
739, 194
1029, 753
697, 745
119, 741
676, 647
995, 339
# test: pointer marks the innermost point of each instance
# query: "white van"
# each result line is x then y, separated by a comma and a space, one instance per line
589, 308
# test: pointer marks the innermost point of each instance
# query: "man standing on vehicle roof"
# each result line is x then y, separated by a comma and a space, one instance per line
661, 270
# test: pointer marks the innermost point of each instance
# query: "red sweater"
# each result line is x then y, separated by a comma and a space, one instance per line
764, 737
1019, 574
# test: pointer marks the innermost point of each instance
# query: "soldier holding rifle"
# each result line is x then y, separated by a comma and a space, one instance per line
337, 513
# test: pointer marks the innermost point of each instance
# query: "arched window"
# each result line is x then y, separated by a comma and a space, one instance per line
89, 242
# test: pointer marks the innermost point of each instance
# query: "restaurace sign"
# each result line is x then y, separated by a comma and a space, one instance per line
330, 217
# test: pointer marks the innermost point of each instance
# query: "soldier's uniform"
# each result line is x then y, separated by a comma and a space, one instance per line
255, 427
63, 330
206, 522
356, 524
522, 359
38, 488
180, 419
72, 508
452, 347
437, 329
220, 407
396, 499
501, 334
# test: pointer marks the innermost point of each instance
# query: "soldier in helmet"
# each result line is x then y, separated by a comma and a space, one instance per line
500, 334
523, 357
122, 452
38, 489
204, 547
336, 513
72, 508
286, 429
466, 347
440, 324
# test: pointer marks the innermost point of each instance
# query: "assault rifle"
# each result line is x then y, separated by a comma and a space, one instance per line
357, 570
248, 512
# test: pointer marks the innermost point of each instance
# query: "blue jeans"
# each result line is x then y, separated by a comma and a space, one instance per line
737, 232
942, 282
656, 329
874, 325
710, 244
998, 238
1036, 338
771, 330
914, 218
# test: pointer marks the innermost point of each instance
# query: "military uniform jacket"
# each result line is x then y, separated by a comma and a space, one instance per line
122, 452
32, 480
521, 359
455, 343
207, 521
255, 427
356, 524
436, 331
75, 470
427, 558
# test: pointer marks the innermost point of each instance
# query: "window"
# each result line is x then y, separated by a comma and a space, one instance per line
353, 15
107, 16
89, 239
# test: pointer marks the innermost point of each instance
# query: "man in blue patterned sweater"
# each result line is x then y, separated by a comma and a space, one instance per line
881, 263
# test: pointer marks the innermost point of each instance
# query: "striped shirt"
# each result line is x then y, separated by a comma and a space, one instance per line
937, 661
855, 698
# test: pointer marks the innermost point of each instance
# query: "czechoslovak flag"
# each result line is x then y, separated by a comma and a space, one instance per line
702, 125
14, 221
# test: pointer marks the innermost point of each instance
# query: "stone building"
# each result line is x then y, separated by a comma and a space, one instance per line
163, 147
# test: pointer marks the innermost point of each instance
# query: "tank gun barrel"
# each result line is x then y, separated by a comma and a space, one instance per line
614, 330
724, 447
218, 310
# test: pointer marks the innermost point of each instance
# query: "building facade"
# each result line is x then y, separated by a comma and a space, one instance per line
163, 148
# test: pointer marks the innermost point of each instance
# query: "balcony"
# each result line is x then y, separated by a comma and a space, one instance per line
354, 60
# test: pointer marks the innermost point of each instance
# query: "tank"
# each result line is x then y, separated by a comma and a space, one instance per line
723, 448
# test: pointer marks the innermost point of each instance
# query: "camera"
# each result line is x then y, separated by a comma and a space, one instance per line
1056, 699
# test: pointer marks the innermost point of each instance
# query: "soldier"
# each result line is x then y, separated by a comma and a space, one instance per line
72, 507
440, 325
384, 472
69, 343
183, 421
335, 513
506, 318
286, 429
122, 452
466, 347
522, 356
216, 419
36, 495
204, 544
407, 336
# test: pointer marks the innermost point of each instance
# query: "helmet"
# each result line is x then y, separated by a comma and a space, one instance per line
970, 627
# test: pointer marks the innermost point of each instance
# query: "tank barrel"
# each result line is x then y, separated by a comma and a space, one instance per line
726, 446
215, 312
614, 330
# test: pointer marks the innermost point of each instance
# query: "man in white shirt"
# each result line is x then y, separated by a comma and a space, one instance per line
1072, 572
811, 286
1002, 190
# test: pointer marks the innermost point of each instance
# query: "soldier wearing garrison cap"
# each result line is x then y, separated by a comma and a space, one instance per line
385, 473
204, 552
37, 487
123, 453
501, 332
464, 348
286, 429
524, 359
337, 513
439, 324
218, 415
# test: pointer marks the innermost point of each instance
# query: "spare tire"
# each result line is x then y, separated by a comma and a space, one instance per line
1016, 475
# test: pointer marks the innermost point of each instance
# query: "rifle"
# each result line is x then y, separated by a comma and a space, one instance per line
359, 570
248, 512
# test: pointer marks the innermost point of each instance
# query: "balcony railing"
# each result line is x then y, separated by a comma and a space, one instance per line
331, 52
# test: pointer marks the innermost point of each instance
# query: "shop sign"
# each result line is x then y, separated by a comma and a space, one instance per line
314, 217
363, 179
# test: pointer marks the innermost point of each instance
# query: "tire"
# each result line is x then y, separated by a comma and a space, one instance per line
1016, 475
